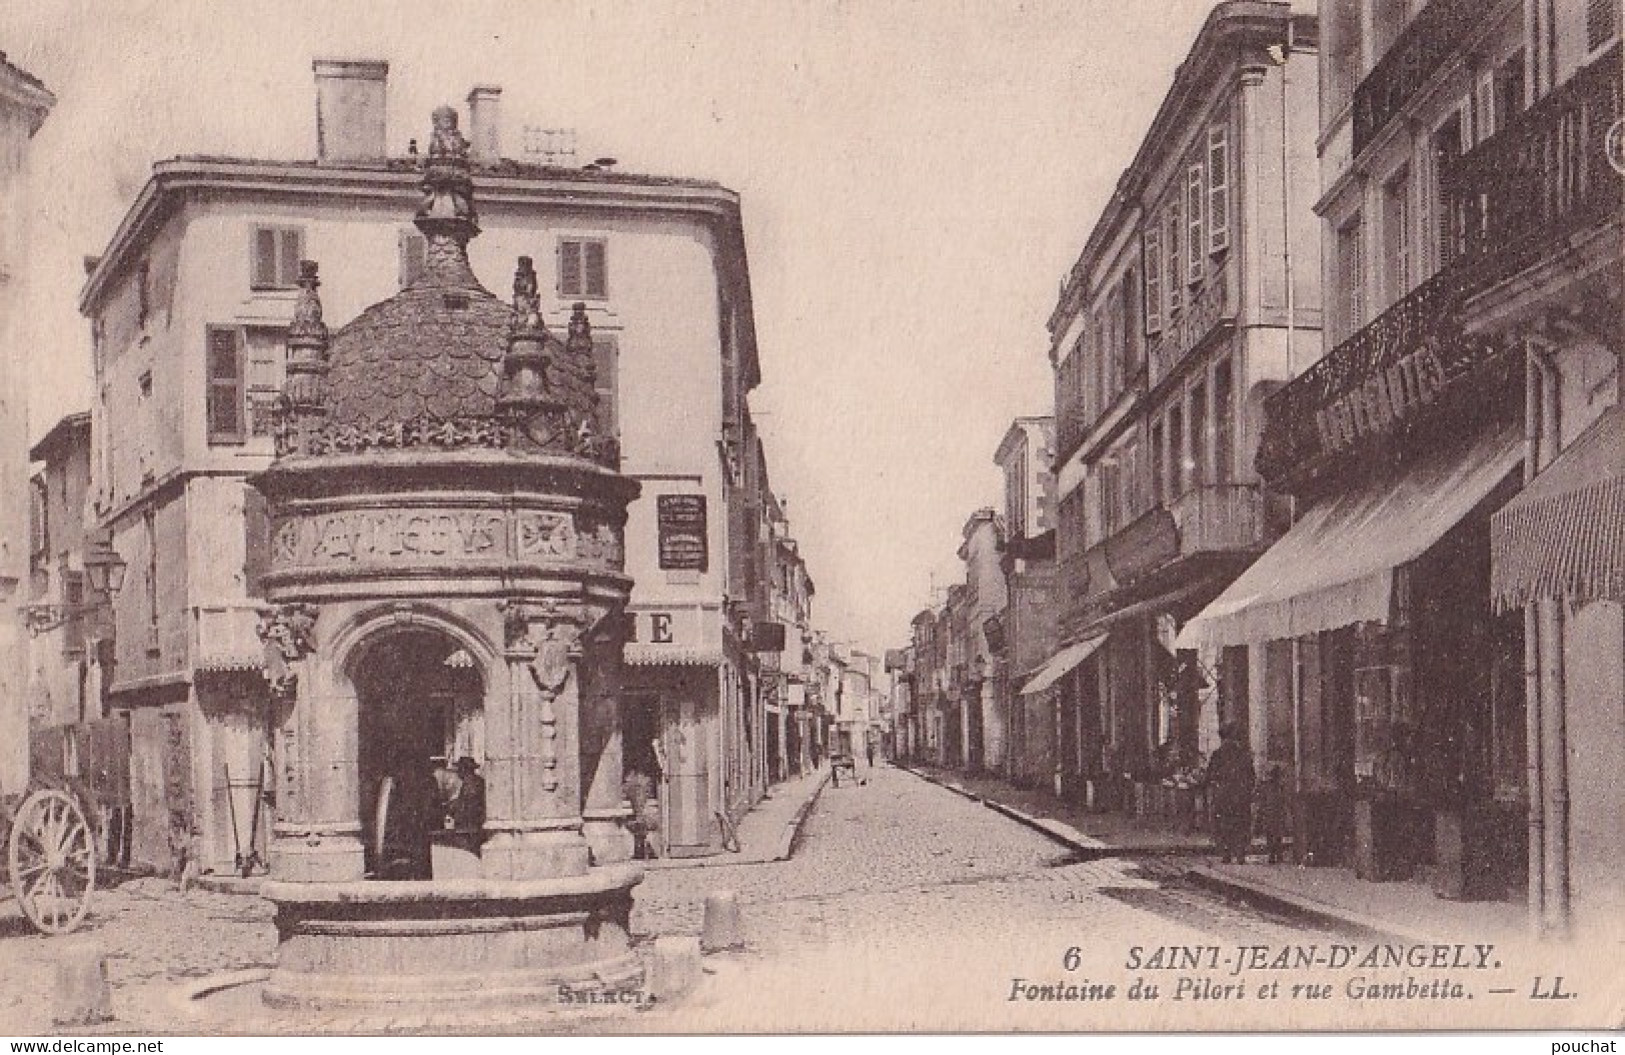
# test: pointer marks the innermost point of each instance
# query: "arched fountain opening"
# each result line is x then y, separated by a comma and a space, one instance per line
420, 711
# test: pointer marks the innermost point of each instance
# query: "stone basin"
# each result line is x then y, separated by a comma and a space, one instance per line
372, 946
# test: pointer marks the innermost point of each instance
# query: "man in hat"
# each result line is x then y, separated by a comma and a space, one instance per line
1230, 782
466, 807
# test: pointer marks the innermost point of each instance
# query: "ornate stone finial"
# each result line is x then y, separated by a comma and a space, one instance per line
527, 300
447, 217
580, 338
524, 383
304, 389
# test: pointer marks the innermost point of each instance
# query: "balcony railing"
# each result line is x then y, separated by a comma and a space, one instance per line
1511, 201
1209, 308
1430, 38
1219, 519
1541, 179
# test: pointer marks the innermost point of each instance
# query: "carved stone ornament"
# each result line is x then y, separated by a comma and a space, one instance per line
289, 634
556, 655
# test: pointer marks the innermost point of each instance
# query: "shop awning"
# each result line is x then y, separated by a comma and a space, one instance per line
1564, 535
1061, 663
1335, 567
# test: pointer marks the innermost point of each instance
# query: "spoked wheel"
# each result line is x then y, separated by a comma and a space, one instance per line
52, 857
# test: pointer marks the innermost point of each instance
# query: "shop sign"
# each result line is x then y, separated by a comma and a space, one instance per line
683, 542
1377, 402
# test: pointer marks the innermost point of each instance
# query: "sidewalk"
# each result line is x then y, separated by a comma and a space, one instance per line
768, 831
1406, 911
1087, 832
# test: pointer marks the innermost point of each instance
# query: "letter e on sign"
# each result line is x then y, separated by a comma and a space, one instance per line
660, 628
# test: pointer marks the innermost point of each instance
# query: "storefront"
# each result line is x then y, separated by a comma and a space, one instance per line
1379, 680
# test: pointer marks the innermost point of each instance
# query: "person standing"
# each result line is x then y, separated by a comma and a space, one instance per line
1272, 812
1230, 779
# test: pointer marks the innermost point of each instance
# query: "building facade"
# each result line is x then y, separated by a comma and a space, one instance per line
1028, 625
1471, 244
24, 105
1195, 296
188, 358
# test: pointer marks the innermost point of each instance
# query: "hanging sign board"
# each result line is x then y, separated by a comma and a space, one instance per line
684, 545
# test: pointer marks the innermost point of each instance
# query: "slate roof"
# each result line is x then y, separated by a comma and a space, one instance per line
430, 351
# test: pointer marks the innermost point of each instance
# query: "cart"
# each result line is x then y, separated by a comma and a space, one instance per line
50, 858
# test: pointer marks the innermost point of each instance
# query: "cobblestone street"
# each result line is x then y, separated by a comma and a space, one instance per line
892, 873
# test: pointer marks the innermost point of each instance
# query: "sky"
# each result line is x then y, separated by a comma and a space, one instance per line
917, 178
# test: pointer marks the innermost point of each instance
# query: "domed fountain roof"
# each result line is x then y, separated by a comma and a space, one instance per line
444, 362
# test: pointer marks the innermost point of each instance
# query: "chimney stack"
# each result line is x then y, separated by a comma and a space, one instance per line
350, 97
485, 122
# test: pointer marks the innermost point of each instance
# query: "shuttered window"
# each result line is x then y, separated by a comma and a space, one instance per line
413, 250
1195, 191
256, 541
1350, 279
224, 368
1218, 188
583, 268
606, 357
1153, 278
276, 252
1602, 22
73, 597
1171, 232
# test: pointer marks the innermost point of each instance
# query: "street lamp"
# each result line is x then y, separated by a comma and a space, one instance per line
104, 574
104, 568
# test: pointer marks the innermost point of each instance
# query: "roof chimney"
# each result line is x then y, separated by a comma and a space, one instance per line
485, 122
350, 109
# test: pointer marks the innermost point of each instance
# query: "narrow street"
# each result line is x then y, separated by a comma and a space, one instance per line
893, 872
903, 861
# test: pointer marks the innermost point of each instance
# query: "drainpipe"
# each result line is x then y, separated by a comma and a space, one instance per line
1282, 56
1554, 716
1531, 672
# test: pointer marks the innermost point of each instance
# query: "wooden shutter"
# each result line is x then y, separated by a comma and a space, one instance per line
224, 370
1153, 276
1218, 188
256, 541
292, 243
413, 252
264, 258
1195, 191
1171, 233
1602, 22
1484, 106
606, 367
73, 596
570, 268
595, 269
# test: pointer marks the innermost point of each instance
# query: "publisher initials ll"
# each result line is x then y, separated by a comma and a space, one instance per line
1554, 991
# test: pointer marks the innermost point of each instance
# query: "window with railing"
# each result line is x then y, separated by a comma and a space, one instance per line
1417, 50
1397, 267
1224, 422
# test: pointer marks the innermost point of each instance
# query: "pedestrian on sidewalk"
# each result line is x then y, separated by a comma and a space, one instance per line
1231, 779
1272, 812
869, 750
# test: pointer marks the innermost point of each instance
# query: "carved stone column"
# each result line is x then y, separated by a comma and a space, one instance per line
533, 765
316, 837
604, 817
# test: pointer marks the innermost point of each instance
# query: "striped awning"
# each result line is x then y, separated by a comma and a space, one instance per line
1335, 567
1061, 663
1563, 537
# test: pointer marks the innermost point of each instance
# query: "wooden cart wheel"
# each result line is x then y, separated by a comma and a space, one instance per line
52, 857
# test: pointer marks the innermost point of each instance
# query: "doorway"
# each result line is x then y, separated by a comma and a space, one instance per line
420, 711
